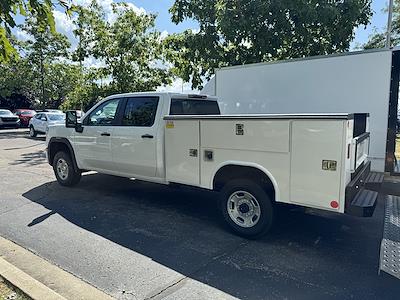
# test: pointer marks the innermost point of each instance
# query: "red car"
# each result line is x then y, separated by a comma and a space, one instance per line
24, 116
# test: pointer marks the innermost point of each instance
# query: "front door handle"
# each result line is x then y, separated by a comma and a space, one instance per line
147, 136
105, 134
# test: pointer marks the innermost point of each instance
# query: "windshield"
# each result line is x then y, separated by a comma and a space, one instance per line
54, 111
27, 113
5, 112
56, 117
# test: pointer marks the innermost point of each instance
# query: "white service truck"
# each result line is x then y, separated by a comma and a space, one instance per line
253, 161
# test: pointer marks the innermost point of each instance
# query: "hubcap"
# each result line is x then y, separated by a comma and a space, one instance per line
244, 209
62, 168
31, 131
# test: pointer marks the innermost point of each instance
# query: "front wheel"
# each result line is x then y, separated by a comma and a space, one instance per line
247, 208
32, 132
64, 169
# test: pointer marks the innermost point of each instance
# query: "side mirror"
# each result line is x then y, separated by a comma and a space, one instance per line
71, 121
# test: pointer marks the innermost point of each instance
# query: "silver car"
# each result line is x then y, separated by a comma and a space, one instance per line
8, 119
42, 120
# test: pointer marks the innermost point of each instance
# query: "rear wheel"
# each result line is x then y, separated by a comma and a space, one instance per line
246, 208
32, 132
64, 169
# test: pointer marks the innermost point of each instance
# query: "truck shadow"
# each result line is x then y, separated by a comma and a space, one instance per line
181, 229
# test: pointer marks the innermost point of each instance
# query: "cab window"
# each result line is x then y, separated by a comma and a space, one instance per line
104, 115
140, 111
193, 107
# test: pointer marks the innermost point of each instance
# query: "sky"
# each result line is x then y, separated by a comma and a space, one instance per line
165, 25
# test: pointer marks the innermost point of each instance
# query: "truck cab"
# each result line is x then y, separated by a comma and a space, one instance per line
123, 135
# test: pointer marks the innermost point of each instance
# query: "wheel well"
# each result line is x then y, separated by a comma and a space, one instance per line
230, 172
56, 147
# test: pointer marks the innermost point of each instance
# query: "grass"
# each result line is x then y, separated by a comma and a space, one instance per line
8, 292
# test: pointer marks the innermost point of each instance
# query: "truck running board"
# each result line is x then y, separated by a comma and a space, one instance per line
363, 204
390, 245
374, 181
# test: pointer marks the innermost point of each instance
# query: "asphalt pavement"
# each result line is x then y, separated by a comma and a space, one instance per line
136, 240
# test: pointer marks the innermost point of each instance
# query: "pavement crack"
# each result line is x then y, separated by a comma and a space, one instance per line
224, 253
167, 288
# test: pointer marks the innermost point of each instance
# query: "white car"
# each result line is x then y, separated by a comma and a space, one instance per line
8, 119
42, 120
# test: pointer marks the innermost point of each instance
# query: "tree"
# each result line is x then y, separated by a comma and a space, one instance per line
129, 47
39, 9
15, 84
41, 50
378, 39
233, 32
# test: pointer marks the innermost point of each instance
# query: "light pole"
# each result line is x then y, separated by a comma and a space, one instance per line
389, 25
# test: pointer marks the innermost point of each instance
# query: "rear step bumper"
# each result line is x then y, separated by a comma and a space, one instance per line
374, 181
360, 197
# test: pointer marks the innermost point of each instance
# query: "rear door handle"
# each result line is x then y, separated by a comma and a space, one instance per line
147, 136
105, 134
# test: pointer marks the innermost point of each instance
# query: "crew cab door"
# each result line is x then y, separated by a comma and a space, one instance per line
93, 144
134, 141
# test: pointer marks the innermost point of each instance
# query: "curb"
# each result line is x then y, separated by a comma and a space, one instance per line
28, 285
40, 279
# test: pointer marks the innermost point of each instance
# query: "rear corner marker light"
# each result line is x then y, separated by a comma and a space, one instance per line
334, 204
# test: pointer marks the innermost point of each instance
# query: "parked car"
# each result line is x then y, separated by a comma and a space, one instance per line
53, 111
8, 119
42, 120
24, 116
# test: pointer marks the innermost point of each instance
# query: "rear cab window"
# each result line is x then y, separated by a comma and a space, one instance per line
194, 107
140, 111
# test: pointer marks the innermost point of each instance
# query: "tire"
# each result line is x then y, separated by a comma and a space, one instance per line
246, 208
64, 169
32, 131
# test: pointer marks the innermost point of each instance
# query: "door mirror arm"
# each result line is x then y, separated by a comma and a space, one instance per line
79, 127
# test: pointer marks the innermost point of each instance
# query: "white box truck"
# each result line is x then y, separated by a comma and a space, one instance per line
254, 162
364, 81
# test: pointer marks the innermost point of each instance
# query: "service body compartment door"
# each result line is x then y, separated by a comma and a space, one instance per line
316, 163
182, 151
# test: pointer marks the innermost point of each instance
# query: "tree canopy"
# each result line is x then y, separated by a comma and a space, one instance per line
126, 53
233, 32
378, 39
42, 10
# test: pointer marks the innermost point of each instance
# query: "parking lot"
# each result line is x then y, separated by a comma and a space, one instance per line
136, 240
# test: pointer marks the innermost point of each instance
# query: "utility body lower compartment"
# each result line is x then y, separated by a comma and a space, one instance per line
308, 158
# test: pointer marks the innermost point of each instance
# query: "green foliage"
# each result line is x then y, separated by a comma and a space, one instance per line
39, 9
42, 74
233, 32
44, 51
129, 48
129, 51
378, 39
